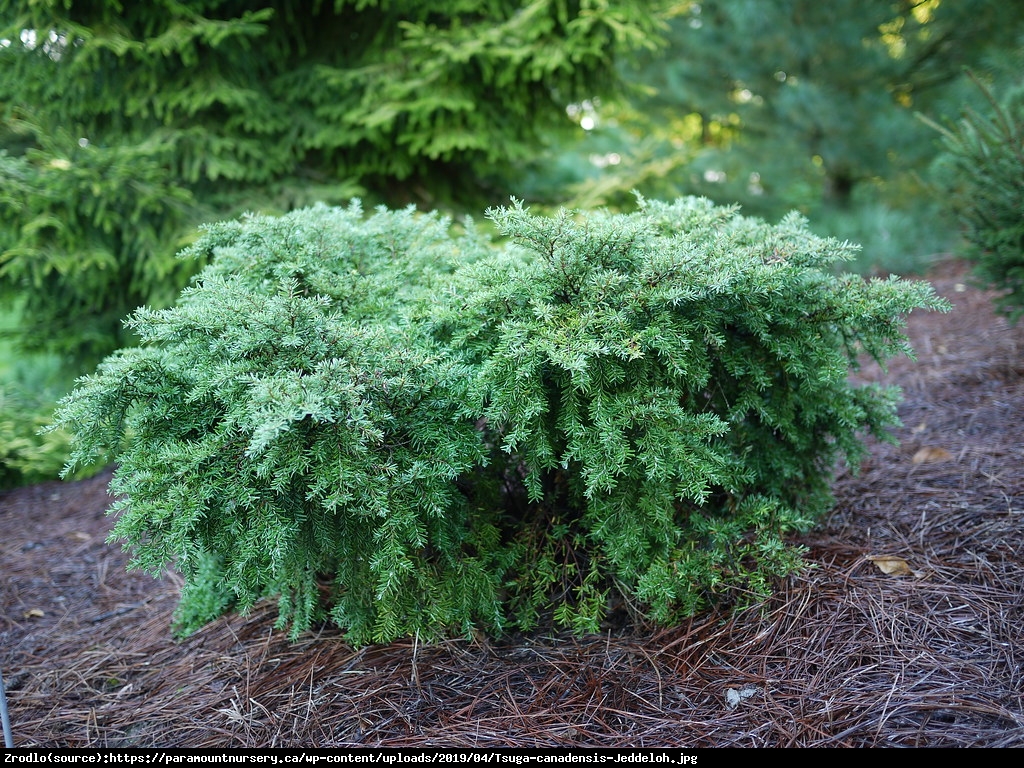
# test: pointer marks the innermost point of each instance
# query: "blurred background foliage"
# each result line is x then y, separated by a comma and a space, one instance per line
981, 172
125, 125
794, 104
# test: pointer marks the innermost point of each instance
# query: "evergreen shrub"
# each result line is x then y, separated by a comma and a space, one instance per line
982, 172
405, 428
30, 386
25, 456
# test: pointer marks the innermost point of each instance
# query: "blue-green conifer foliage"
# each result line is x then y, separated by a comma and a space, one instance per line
402, 427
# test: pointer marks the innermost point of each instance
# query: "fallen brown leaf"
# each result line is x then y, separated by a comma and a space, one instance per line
931, 455
894, 566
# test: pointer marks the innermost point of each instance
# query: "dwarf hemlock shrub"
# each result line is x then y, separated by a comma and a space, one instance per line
403, 429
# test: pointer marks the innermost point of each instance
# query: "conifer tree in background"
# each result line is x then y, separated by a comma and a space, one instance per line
982, 178
783, 104
831, 87
125, 124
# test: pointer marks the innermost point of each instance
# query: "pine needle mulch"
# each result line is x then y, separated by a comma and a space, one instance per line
907, 629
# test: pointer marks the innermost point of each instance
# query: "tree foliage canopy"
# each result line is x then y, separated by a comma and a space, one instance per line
982, 177
123, 125
782, 104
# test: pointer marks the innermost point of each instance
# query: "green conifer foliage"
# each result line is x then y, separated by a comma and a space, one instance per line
404, 430
982, 175
124, 125
85, 237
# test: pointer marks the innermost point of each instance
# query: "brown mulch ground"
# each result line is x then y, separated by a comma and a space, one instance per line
844, 655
